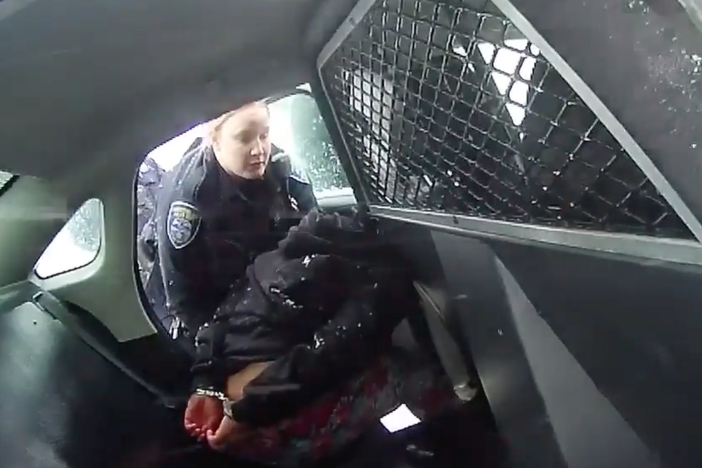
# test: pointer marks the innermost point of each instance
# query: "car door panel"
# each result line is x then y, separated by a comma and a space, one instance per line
568, 384
64, 404
634, 327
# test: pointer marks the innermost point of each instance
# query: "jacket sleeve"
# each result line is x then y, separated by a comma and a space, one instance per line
189, 268
208, 371
342, 348
236, 324
183, 270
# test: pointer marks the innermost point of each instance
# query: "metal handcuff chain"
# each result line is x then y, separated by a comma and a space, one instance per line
226, 402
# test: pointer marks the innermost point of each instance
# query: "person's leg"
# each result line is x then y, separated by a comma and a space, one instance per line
421, 383
339, 419
327, 426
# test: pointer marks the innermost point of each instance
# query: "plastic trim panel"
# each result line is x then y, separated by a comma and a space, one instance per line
650, 248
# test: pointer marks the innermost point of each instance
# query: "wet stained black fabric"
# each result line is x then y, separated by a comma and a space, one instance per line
233, 221
321, 308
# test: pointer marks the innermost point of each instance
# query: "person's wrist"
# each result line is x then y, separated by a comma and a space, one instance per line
208, 382
210, 392
227, 404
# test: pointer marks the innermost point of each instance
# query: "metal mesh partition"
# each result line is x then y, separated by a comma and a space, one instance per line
446, 106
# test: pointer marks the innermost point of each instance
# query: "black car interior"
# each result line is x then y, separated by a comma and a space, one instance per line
537, 161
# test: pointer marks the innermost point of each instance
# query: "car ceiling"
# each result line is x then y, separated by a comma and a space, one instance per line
89, 87
77, 75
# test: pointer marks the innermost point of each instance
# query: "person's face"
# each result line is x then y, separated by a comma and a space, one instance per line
243, 144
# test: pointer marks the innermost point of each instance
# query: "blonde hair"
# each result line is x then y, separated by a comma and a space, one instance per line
214, 126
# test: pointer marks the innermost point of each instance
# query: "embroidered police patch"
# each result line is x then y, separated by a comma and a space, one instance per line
182, 224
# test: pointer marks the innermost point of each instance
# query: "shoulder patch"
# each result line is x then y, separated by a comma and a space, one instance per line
183, 223
298, 173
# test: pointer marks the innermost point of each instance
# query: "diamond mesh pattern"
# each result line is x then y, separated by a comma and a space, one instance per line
446, 106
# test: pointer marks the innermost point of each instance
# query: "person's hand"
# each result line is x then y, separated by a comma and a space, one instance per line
202, 414
228, 435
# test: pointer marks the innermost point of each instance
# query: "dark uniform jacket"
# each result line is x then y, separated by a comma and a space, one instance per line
321, 308
210, 225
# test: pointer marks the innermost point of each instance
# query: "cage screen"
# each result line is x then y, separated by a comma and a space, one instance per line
446, 106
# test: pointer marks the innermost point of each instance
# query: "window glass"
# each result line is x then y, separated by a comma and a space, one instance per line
5, 178
77, 243
297, 128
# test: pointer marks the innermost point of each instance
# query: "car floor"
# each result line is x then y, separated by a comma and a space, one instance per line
64, 406
466, 438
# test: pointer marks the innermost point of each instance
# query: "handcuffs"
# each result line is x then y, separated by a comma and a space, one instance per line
226, 402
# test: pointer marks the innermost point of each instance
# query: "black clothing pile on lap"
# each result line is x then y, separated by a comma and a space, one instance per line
321, 308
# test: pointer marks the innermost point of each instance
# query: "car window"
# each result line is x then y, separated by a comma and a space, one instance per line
5, 178
297, 128
76, 245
